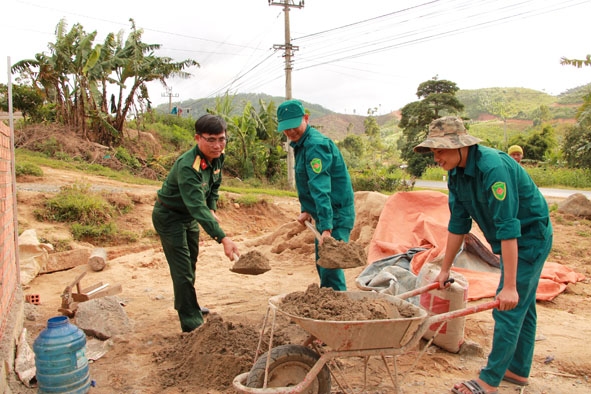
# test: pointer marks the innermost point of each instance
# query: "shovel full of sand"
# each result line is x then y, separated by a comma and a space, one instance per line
251, 263
338, 254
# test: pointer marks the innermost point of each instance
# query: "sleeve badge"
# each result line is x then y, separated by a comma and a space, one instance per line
316, 165
499, 190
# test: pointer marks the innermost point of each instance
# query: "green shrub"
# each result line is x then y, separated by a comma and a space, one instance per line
546, 176
126, 158
28, 169
175, 131
48, 147
380, 180
106, 234
249, 200
76, 204
434, 173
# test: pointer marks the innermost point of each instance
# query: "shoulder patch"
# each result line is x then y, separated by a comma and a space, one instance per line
196, 163
316, 165
199, 163
499, 190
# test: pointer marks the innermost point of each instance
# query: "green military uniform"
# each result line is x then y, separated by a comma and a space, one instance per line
183, 203
499, 195
325, 192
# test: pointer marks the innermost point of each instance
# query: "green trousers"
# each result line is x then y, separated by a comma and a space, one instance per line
515, 330
334, 278
179, 235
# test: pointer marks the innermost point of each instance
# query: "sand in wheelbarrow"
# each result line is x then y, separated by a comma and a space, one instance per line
323, 303
251, 263
339, 254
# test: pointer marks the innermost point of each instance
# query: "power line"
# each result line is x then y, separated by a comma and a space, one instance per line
407, 38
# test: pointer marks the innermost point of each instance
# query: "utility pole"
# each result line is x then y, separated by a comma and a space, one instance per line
170, 95
288, 49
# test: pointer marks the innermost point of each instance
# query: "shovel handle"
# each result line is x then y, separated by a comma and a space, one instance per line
313, 229
423, 289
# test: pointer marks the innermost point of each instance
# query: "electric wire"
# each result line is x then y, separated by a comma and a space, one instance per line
341, 47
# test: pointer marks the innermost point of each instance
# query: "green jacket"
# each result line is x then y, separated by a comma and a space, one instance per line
191, 188
323, 182
500, 196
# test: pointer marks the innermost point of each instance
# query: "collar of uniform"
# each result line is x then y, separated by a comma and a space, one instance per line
470, 169
300, 142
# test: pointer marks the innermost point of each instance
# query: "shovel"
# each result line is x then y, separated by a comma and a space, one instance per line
314, 231
337, 254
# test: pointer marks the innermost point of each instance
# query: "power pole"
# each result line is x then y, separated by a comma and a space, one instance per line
170, 95
288, 49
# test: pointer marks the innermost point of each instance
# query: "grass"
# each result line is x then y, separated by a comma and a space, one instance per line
543, 176
28, 159
265, 191
90, 214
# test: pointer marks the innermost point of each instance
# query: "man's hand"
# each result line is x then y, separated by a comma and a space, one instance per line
304, 217
230, 248
442, 277
508, 298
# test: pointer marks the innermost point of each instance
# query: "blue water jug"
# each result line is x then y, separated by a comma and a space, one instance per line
60, 358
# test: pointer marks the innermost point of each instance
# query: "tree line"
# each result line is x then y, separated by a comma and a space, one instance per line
70, 85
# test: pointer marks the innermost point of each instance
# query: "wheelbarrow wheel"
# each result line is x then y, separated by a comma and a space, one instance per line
289, 365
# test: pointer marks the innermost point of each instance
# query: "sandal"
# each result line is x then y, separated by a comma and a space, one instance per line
474, 387
521, 383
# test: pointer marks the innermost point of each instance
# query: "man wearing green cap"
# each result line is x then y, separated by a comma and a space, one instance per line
322, 181
489, 187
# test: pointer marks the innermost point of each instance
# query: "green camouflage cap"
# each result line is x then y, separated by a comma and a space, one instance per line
446, 133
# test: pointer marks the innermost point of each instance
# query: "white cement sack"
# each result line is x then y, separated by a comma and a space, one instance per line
451, 332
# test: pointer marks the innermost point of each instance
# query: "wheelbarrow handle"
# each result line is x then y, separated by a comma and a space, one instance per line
464, 311
423, 289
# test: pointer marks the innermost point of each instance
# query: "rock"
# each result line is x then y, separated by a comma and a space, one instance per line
33, 255
576, 204
102, 318
470, 348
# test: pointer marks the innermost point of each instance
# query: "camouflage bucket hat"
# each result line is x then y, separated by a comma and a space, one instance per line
446, 133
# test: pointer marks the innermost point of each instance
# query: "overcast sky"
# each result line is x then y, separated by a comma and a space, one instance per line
352, 55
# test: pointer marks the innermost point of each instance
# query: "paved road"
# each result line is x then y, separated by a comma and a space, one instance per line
547, 192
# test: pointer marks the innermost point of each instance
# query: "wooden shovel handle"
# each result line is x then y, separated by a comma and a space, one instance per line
313, 229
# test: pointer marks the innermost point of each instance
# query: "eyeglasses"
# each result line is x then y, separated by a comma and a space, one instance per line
211, 140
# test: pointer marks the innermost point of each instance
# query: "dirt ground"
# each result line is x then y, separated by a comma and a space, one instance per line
157, 358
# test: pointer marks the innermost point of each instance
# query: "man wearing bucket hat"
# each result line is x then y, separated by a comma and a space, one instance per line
322, 182
489, 187
515, 152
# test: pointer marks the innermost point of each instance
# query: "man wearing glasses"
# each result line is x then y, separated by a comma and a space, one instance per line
187, 199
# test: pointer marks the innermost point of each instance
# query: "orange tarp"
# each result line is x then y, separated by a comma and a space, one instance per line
419, 219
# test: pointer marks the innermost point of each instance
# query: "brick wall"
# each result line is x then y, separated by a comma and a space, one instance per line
11, 297
9, 275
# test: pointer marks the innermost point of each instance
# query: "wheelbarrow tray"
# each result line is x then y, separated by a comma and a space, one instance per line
392, 333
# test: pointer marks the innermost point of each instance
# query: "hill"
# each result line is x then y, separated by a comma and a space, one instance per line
523, 104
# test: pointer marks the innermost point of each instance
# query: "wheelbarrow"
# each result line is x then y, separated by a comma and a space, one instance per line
304, 368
